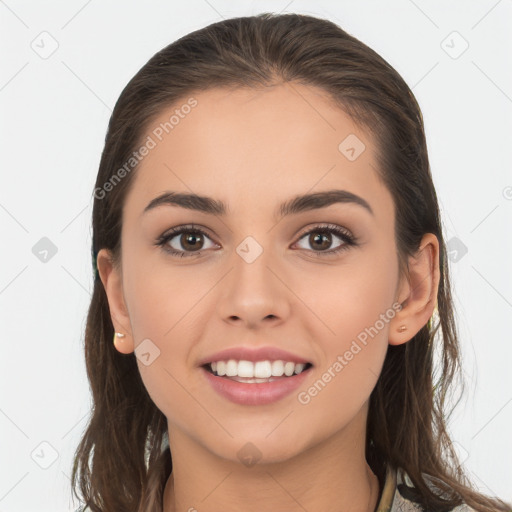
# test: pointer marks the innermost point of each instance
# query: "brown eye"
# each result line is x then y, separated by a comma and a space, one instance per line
191, 241
184, 241
321, 239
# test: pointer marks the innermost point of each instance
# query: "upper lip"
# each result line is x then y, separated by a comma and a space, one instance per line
253, 354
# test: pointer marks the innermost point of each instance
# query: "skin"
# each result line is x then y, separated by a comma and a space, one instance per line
254, 149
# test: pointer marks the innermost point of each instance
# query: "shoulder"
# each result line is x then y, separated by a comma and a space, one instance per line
405, 498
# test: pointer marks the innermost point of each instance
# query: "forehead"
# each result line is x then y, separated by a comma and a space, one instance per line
251, 147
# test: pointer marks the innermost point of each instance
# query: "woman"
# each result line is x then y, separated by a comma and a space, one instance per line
271, 269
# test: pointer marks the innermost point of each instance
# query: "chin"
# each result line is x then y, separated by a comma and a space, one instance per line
258, 447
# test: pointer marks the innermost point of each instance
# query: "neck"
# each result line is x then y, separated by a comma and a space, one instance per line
331, 475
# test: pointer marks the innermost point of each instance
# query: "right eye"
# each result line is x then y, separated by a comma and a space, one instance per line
188, 244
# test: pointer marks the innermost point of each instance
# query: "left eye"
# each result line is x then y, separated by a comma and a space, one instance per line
192, 238
322, 235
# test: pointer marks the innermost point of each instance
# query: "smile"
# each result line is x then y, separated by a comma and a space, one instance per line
255, 383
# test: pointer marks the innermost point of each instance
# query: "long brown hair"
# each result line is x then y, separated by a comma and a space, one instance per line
123, 460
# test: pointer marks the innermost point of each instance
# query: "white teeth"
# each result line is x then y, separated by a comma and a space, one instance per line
258, 370
263, 369
231, 368
299, 367
221, 368
277, 368
289, 368
245, 369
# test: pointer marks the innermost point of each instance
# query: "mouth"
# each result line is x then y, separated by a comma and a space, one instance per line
255, 383
257, 372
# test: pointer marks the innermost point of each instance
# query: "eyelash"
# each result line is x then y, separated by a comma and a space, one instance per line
349, 239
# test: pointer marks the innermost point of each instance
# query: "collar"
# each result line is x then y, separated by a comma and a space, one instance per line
388, 491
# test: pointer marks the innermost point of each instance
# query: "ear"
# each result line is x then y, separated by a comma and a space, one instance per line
417, 291
111, 278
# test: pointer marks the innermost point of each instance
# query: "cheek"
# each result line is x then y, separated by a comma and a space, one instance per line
165, 310
161, 300
348, 299
353, 306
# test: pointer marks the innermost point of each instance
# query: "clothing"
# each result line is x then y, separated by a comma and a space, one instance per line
397, 495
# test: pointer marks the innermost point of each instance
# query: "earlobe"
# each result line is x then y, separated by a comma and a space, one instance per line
120, 341
400, 333
112, 281
422, 287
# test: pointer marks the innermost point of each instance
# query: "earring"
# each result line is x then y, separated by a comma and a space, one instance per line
402, 328
118, 335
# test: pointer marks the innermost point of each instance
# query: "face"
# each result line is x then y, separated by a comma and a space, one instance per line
319, 283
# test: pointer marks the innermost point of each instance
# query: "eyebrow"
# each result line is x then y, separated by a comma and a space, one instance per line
295, 205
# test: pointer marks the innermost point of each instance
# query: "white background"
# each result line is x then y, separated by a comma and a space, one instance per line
55, 112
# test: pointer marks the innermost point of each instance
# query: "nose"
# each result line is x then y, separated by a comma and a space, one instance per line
255, 294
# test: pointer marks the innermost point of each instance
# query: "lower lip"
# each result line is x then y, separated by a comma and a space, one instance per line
255, 394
